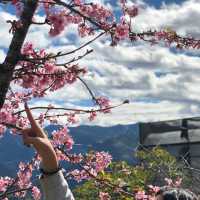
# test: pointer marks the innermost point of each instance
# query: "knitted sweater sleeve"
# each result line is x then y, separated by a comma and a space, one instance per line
56, 187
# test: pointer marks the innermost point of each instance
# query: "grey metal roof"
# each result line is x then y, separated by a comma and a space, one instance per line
170, 132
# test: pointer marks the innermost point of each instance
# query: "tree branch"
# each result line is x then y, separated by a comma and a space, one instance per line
13, 55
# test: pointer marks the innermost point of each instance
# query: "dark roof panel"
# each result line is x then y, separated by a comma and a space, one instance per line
170, 132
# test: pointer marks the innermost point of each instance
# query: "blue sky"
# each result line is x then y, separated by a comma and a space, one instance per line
158, 3
161, 83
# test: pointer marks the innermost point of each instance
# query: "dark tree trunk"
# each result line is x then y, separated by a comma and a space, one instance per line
13, 55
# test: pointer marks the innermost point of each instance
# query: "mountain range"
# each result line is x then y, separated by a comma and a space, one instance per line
120, 141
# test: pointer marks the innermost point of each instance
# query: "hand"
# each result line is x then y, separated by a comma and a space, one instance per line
36, 136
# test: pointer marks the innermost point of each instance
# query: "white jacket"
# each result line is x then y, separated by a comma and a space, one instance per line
55, 187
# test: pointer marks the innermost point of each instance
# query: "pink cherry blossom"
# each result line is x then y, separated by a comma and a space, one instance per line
57, 21
122, 31
97, 12
4, 183
24, 175
36, 193
104, 196
84, 30
104, 104
47, 5
103, 159
132, 11
92, 116
76, 158
14, 1
154, 189
174, 183
28, 49
140, 195
77, 2
62, 137
123, 2
79, 175
178, 182
71, 118
169, 181
95, 163
18, 6
47, 76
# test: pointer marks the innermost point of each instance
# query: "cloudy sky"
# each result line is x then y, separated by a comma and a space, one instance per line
161, 83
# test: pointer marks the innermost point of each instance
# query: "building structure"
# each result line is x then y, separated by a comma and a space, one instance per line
180, 137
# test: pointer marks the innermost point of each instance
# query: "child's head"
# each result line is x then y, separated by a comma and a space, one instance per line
167, 193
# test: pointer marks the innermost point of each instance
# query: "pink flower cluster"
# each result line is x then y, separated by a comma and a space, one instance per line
14, 1
12, 102
92, 116
22, 181
121, 31
18, 6
61, 137
104, 104
44, 75
71, 117
36, 193
6, 117
170, 37
97, 12
153, 190
167, 36
59, 20
104, 196
85, 174
77, 2
84, 30
132, 11
175, 183
141, 195
6, 114
94, 163
76, 158
24, 175
4, 183
102, 160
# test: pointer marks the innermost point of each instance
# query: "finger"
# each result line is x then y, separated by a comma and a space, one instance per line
31, 141
28, 132
35, 126
30, 116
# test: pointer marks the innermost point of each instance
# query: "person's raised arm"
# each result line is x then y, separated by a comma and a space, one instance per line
36, 136
53, 182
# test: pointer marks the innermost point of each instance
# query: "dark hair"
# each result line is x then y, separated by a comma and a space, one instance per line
169, 193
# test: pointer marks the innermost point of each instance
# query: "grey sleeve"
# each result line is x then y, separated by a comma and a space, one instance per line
56, 187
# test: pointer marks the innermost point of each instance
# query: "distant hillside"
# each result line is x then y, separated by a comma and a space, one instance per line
119, 140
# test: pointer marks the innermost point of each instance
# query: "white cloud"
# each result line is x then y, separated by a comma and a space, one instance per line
161, 83
182, 17
4, 35
2, 55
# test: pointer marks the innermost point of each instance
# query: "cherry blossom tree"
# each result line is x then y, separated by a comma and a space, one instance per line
39, 72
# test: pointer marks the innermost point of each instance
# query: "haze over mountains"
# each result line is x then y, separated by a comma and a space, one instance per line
119, 141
